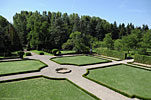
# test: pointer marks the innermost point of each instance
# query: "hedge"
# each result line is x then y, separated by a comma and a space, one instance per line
28, 54
111, 53
41, 53
142, 59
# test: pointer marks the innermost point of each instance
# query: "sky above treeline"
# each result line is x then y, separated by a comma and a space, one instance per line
137, 12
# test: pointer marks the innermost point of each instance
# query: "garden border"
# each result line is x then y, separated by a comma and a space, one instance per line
32, 77
116, 90
77, 64
25, 72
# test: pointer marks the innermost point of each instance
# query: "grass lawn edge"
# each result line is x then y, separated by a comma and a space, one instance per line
20, 79
24, 72
77, 64
116, 90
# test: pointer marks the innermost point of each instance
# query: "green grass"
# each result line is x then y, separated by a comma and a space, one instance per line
20, 66
67, 52
42, 89
126, 79
78, 60
37, 52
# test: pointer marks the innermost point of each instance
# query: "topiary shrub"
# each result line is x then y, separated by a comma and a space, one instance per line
20, 54
54, 51
41, 53
28, 54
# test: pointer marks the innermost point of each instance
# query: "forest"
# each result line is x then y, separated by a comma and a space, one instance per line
56, 30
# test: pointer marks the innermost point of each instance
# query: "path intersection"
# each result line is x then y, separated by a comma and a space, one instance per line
76, 76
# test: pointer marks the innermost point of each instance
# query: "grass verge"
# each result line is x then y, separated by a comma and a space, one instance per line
43, 89
127, 80
78, 60
18, 67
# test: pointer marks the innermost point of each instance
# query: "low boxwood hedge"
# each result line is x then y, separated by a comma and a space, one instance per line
142, 59
111, 53
28, 54
41, 53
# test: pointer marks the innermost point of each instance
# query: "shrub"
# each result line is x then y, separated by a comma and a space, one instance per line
142, 59
111, 53
7, 54
56, 52
20, 54
41, 53
142, 51
28, 54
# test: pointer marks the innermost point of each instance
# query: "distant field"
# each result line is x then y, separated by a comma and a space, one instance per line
42, 89
79, 60
127, 79
20, 66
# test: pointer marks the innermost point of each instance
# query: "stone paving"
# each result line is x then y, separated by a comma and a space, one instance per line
75, 76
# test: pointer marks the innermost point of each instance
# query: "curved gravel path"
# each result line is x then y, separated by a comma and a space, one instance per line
75, 76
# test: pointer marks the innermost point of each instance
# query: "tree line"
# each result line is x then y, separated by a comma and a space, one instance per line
51, 30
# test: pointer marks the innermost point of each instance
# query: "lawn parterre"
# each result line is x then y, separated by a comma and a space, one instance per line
79, 60
131, 81
11, 67
42, 89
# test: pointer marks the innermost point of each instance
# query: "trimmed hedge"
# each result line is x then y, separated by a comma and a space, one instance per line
111, 53
41, 53
20, 54
28, 54
142, 59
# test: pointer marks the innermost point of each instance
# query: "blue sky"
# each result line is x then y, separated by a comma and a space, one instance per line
122, 11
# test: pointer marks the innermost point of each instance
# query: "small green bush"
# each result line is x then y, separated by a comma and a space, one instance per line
142, 51
20, 54
54, 51
142, 59
111, 53
41, 53
28, 54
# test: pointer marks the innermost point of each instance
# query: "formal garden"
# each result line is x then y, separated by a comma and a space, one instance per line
105, 60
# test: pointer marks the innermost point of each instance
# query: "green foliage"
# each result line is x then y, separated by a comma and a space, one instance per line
111, 53
142, 59
9, 40
108, 41
28, 54
54, 51
41, 53
20, 54
80, 43
118, 45
147, 39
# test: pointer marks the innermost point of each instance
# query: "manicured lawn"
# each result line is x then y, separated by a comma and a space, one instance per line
20, 66
127, 79
37, 52
67, 52
79, 60
42, 89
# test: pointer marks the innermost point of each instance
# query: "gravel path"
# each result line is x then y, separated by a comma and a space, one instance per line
75, 76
